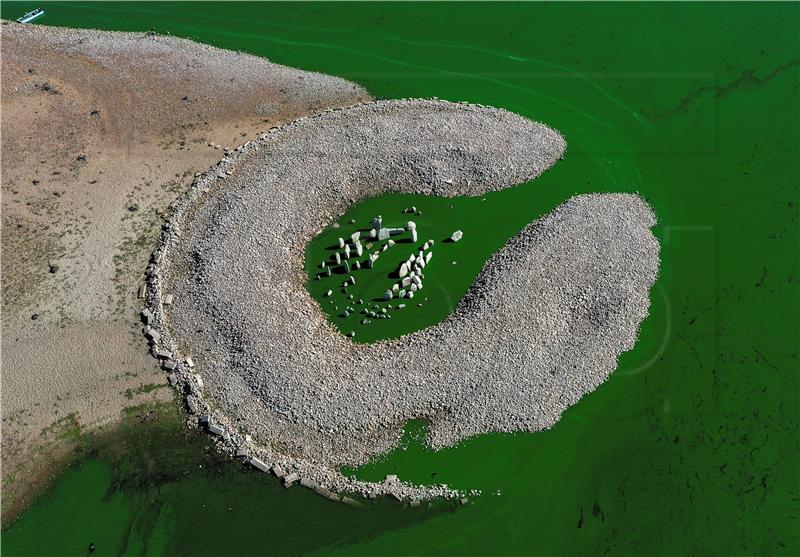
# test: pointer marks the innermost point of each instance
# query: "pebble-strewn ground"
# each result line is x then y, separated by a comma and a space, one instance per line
543, 324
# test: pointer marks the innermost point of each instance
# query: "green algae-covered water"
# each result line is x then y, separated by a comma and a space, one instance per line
691, 447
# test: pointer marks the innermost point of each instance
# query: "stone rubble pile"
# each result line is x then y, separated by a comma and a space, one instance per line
543, 323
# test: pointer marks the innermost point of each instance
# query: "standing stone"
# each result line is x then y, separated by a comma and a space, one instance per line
373, 233
338, 258
355, 236
359, 249
346, 266
383, 234
377, 222
341, 243
328, 293
403, 270
428, 257
414, 235
388, 295
456, 236
357, 265
347, 252
411, 225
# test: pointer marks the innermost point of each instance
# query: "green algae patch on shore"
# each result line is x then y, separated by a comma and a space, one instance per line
487, 222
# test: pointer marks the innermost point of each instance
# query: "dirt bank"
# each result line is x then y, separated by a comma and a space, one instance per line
100, 132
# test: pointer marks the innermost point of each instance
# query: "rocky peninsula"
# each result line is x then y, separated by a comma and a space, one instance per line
230, 319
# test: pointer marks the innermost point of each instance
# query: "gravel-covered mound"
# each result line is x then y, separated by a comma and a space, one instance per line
543, 324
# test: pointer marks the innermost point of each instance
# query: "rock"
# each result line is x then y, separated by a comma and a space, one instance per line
346, 266
405, 282
401, 306
338, 258
278, 471
390, 243
359, 249
411, 225
259, 464
189, 362
347, 252
388, 295
403, 271
372, 234
328, 293
383, 234
341, 243
377, 222
410, 295
414, 235
426, 245
396, 231
401, 294
357, 265
354, 237
428, 257
456, 236
395, 287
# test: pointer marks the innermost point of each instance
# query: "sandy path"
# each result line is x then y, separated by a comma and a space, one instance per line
100, 133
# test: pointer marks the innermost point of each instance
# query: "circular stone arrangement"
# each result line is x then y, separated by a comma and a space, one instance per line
542, 325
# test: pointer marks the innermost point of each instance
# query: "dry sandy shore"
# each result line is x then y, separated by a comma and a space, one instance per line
543, 324
100, 132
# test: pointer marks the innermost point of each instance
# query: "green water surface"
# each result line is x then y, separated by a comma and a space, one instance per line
691, 447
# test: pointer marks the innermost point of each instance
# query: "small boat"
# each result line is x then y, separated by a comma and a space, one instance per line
30, 16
